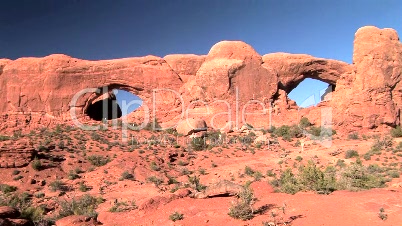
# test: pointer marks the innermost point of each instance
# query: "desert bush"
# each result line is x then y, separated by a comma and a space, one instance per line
4, 138
5, 188
23, 202
86, 205
154, 166
35, 214
322, 131
18, 177
358, 177
156, 180
98, 160
351, 153
377, 146
202, 171
304, 122
39, 195
57, 185
83, 187
257, 175
288, 132
353, 136
241, 208
36, 164
311, 178
248, 171
396, 132
198, 144
72, 175
127, 176
176, 216
195, 182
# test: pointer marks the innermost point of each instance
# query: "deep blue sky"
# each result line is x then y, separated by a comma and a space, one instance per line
123, 28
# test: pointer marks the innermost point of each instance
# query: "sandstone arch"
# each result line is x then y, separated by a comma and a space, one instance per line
292, 69
49, 84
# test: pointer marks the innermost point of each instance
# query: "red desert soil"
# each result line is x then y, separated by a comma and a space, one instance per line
155, 203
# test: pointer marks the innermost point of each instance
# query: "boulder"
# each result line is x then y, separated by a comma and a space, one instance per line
9, 212
222, 188
189, 126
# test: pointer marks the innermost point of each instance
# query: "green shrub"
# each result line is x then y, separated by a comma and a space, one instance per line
127, 176
98, 160
353, 136
198, 144
248, 171
257, 175
287, 182
32, 213
358, 177
311, 178
5, 188
393, 174
396, 132
86, 205
40, 195
351, 153
4, 138
154, 166
23, 202
176, 216
57, 185
83, 187
242, 207
36, 164
195, 182
72, 175
304, 122
322, 131
18, 177
157, 181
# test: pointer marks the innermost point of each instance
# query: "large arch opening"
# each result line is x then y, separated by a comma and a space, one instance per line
112, 102
310, 92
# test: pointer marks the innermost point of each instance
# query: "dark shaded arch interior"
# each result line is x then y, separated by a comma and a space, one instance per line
104, 109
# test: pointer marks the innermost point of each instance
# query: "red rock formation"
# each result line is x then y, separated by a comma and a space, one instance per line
46, 86
185, 65
367, 94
